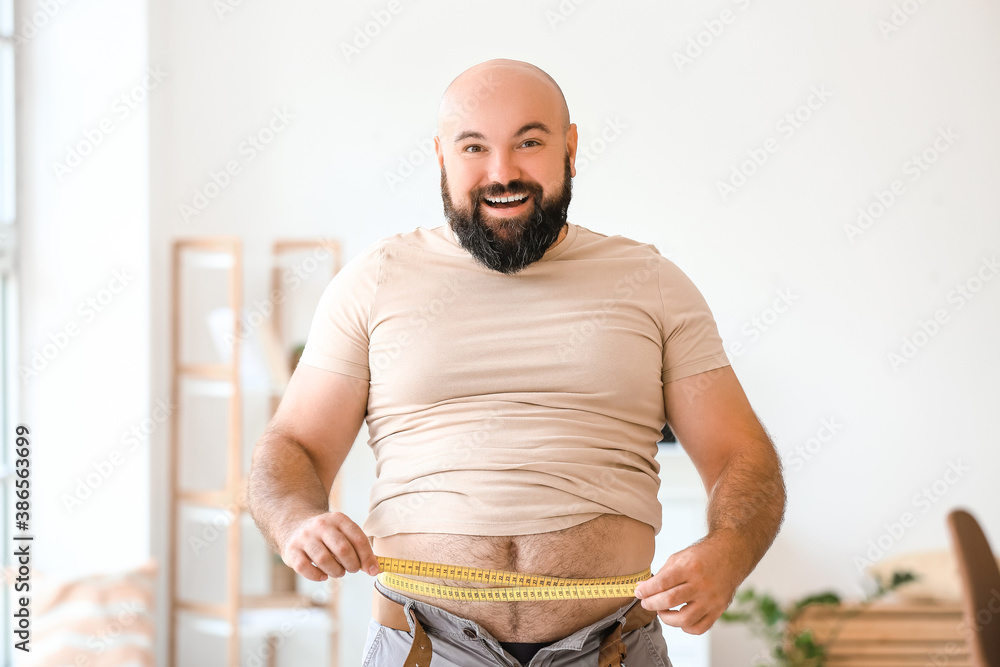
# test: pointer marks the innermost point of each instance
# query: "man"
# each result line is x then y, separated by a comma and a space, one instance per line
515, 372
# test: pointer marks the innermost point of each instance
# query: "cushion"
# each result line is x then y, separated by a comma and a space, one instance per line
101, 620
936, 572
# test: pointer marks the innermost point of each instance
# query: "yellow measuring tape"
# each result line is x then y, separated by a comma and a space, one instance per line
503, 586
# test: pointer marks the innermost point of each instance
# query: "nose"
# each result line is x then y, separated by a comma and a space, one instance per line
503, 167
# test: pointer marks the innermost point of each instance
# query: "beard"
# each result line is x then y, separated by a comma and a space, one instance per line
507, 245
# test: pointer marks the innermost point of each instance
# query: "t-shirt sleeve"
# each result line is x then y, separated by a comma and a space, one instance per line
339, 334
692, 343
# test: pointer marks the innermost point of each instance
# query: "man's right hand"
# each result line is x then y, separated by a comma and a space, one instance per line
293, 469
328, 545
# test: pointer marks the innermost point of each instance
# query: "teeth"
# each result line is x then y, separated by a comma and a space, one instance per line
504, 200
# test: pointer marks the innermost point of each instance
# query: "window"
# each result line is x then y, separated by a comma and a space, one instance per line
8, 301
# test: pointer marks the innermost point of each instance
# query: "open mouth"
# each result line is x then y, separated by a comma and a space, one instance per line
511, 201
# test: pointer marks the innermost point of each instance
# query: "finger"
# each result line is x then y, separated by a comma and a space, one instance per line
299, 562
701, 626
683, 617
320, 556
664, 580
669, 599
342, 552
362, 547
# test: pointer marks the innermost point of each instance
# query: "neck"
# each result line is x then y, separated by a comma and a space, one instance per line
562, 235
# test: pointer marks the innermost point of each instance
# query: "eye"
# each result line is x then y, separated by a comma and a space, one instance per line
531, 143
472, 148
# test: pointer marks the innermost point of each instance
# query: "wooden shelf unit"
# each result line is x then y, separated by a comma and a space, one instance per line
233, 495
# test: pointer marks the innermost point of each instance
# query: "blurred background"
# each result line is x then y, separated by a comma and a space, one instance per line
825, 172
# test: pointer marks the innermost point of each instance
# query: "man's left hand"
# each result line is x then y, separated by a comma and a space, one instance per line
702, 577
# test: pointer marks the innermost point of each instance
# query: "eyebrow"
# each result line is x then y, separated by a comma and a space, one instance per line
470, 134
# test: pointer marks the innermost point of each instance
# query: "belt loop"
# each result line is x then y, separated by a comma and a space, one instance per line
613, 651
420, 652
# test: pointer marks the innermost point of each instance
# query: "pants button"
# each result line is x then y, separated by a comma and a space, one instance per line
470, 633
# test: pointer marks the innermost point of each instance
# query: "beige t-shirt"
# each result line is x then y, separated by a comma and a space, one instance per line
512, 404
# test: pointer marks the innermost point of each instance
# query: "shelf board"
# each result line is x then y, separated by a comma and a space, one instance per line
259, 621
202, 385
281, 601
202, 608
253, 602
223, 372
213, 499
208, 258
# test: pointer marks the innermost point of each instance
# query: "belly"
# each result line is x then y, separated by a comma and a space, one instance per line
609, 545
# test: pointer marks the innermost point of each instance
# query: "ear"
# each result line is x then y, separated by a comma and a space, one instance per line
438, 151
571, 141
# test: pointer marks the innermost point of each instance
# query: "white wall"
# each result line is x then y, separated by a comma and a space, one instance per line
682, 130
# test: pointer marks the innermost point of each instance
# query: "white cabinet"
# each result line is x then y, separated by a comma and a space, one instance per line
684, 503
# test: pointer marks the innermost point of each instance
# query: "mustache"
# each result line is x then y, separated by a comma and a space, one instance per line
524, 240
515, 187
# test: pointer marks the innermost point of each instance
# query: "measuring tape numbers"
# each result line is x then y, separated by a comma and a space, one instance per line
500, 585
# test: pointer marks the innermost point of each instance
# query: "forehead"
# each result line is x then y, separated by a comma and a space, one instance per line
498, 104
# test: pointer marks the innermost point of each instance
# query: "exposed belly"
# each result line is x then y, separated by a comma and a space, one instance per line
609, 545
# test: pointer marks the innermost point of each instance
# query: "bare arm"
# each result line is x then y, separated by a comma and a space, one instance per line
293, 468
740, 469
735, 458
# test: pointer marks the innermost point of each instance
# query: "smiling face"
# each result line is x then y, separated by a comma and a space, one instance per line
507, 153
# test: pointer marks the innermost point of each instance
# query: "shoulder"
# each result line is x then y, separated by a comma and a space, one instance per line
423, 239
594, 244
641, 260
420, 239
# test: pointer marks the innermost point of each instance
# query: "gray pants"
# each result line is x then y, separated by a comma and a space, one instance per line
459, 642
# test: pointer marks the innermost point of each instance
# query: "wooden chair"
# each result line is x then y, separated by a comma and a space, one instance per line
980, 588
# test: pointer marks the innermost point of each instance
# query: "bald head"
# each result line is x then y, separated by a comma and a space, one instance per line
507, 152
499, 82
